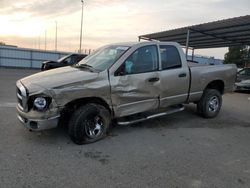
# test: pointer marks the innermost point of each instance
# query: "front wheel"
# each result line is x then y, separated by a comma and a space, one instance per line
210, 103
89, 123
43, 67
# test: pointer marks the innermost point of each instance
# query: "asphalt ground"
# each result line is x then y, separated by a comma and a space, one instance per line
179, 150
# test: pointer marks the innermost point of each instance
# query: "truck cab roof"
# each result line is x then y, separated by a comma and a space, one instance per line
130, 44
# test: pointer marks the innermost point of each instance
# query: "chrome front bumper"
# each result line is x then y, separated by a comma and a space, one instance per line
31, 120
39, 124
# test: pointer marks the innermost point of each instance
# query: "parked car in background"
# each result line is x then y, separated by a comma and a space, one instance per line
243, 79
64, 61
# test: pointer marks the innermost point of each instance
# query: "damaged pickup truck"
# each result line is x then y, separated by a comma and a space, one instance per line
126, 83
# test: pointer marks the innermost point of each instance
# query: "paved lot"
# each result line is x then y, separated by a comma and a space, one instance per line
180, 150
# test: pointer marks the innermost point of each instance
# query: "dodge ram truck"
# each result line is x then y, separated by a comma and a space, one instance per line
123, 83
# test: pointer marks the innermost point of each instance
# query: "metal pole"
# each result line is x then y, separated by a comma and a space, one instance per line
39, 43
56, 38
31, 58
45, 42
187, 43
81, 30
248, 58
192, 54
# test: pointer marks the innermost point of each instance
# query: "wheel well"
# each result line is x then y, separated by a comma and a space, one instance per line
216, 84
70, 107
79, 102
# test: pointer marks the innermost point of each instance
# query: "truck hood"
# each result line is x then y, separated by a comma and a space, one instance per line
57, 78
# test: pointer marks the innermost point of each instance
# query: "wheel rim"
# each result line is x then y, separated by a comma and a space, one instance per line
94, 127
213, 104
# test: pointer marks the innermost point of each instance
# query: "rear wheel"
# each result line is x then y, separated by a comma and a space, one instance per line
45, 67
210, 103
89, 123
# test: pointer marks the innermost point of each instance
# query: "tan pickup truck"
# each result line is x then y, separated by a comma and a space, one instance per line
126, 83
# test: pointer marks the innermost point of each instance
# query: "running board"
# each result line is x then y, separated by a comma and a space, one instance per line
179, 109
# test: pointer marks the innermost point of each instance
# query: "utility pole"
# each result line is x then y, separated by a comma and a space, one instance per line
248, 58
39, 42
56, 38
187, 43
45, 42
81, 30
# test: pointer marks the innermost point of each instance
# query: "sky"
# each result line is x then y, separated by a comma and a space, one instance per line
25, 22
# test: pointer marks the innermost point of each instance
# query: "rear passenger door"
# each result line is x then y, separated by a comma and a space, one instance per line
174, 77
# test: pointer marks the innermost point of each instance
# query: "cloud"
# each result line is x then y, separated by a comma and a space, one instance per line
48, 8
44, 8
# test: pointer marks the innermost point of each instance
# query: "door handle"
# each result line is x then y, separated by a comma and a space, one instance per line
155, 79
182, 75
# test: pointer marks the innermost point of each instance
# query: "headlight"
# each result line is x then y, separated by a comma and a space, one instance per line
40, 103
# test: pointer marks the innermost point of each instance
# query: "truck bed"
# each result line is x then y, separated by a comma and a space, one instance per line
201, 75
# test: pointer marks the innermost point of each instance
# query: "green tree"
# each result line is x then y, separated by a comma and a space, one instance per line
237, 55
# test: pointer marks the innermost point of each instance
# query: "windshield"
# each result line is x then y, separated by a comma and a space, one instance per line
104, 57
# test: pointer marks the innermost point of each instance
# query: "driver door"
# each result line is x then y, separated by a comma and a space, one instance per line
135, 84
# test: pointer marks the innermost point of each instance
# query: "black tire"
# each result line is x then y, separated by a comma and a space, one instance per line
210, 103
45, 67
42, 68
89, 123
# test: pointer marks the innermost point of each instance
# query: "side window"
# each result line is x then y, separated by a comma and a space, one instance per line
245, 72
68, 60
242, 72
144, 59
79, 58
170, 57
73, 59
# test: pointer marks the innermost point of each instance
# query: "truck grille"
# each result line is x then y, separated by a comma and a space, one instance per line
21, 97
